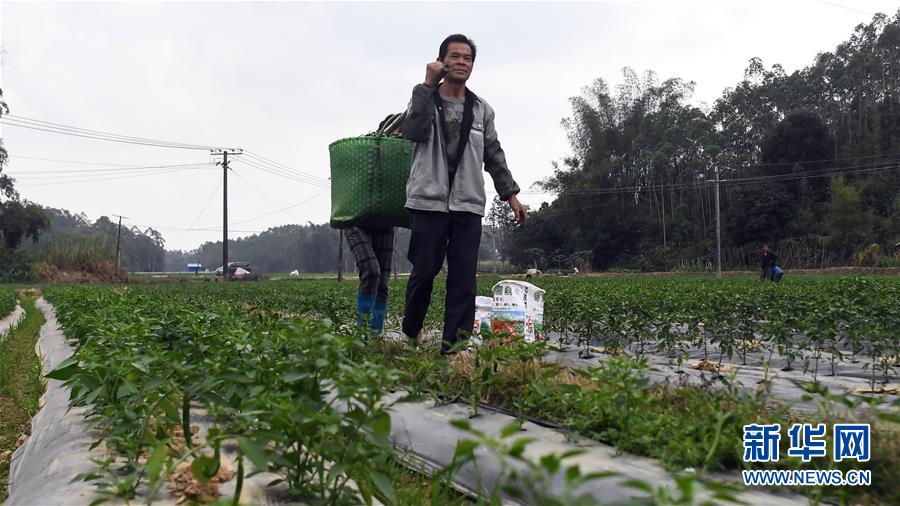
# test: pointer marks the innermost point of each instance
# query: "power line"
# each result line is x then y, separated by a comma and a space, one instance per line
57, 128
286, 167
867, 157
289, 207
847, 8
113, 178
279, 173
69, 128
79, 162
837, 171
285, 174
257, 190
825, 172
202, 211
260, 162
162, 227
87, 172
734, 182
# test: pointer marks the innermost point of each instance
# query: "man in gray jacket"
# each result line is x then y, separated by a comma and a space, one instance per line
455, 137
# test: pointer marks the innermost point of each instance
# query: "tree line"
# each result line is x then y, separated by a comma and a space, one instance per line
808, 161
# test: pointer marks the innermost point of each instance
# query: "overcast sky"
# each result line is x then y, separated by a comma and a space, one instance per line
286, 79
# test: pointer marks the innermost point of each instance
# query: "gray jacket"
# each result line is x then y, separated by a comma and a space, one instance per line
428, 188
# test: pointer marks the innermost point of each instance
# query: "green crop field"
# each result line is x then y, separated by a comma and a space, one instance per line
255, 357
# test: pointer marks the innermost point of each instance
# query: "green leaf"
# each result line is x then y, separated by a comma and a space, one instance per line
335, 472
64, 372
140, 366
413, 398
571, 453
572, 474
639, 485
461, 424
85, 477
169, 408
92, 396
599, 475
383, 484
510, 429
686, 486
155, 463
292, 376
381, 423
126, 388
204, 468
550, 463
153, 384
254, 452
238, 378
518, 447
465, 447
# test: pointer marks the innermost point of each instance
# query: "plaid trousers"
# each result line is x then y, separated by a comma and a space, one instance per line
373, 249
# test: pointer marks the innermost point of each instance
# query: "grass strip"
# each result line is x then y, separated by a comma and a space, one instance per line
21, 386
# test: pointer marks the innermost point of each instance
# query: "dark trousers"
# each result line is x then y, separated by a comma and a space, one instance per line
435, 235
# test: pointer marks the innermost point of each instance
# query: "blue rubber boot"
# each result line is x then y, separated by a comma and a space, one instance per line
364, 305
379, 311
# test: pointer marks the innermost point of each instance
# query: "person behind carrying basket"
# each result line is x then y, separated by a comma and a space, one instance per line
455, 138
767, 263
373, 249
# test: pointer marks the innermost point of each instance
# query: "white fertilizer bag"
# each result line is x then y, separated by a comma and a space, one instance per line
518, 308
482, 315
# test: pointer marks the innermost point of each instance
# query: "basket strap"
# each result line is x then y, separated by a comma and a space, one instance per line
393, 124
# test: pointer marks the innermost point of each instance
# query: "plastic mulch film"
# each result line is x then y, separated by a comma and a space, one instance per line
57, 450
11, 320
422, 434
787, 387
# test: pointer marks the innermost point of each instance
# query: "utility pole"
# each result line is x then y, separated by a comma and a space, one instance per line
224, 163
118, 238
341, 256
718, 230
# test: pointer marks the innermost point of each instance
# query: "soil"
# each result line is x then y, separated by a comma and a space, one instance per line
186, 487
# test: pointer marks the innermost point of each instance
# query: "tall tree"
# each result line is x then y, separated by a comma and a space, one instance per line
18, 219
850, 225
636, 189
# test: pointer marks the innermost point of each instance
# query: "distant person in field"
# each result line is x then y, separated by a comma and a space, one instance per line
373, 249
455, 139
768, 262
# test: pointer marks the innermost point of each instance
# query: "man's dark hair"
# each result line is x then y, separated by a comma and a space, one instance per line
456, 37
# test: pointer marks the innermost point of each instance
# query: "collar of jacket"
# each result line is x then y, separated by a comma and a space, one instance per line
465, 128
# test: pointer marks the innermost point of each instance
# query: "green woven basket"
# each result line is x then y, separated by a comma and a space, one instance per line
368, 181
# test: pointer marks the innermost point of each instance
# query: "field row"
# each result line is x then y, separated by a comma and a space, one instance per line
800, 322
7, 301
147, 355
